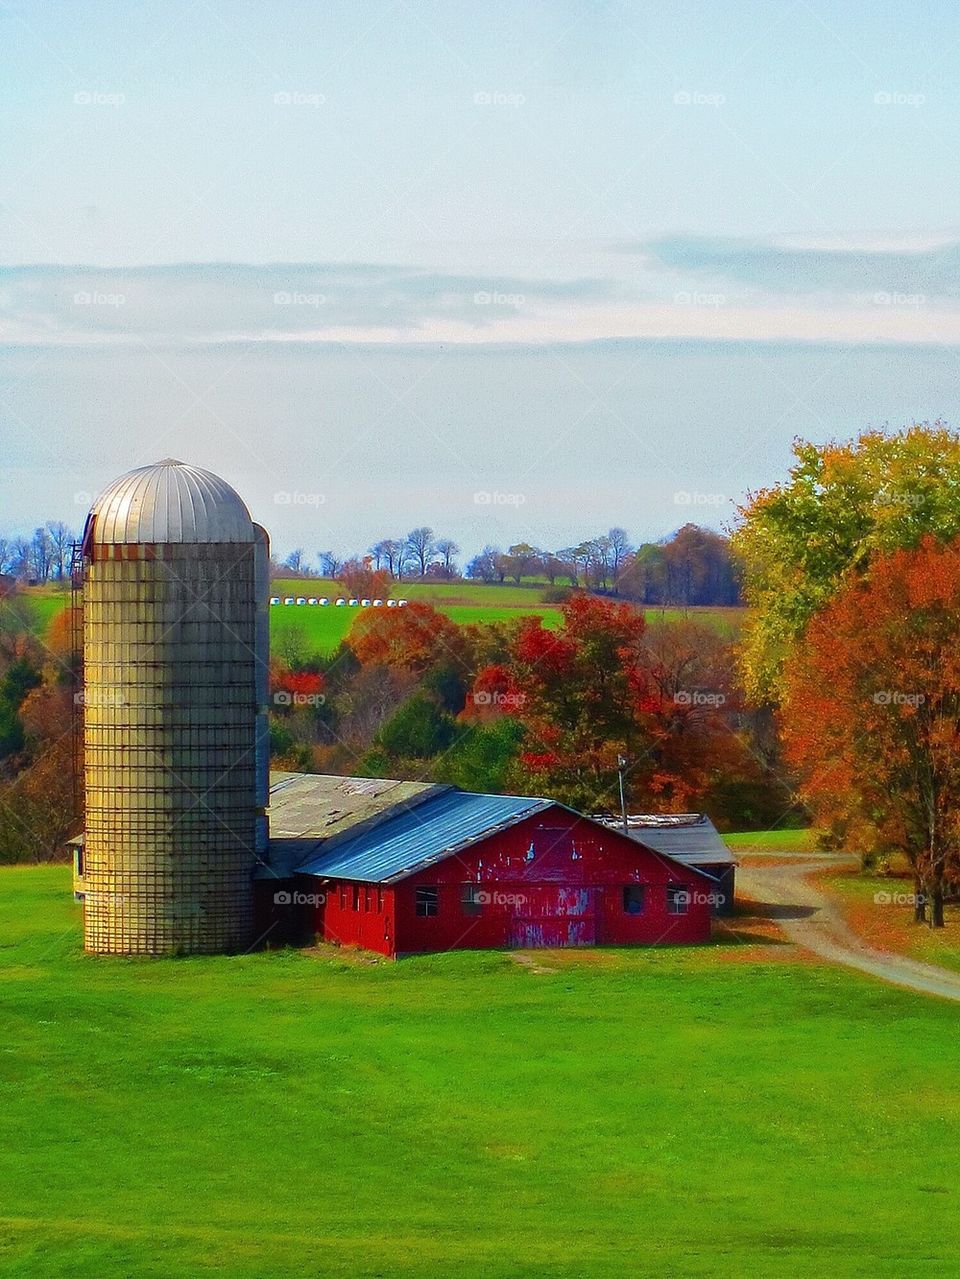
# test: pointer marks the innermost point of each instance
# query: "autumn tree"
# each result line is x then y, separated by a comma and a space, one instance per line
871, 713
842, 504
414, 637
579, 687
360, 580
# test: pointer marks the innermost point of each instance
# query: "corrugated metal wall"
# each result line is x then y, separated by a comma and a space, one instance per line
171, 701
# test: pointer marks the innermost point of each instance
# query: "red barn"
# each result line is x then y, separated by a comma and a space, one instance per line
444, 869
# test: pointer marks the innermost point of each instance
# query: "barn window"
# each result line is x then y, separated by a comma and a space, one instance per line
343, 897
633, 899
356, 897
428, 901
471, 899
678, 899
379, 901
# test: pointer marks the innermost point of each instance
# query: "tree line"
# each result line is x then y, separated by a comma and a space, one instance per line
43, 557
694, 566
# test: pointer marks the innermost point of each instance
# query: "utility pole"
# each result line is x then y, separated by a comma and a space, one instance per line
621, 768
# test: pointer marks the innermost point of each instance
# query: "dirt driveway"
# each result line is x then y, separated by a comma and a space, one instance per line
783, 891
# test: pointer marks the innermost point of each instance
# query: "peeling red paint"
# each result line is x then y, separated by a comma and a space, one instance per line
555, 879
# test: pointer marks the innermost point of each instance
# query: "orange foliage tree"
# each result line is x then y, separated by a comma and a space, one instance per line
414, 637
361, 580
871, 717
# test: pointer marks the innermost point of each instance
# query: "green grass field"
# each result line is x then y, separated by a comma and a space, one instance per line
321, 629
773, 841
672, 1113
880, 908
33, 608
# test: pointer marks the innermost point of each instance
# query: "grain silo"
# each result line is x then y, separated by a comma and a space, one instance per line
174, 705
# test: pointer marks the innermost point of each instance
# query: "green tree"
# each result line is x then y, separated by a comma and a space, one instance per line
418, 730
842, 504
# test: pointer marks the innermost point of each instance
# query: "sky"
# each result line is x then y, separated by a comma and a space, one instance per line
520, 272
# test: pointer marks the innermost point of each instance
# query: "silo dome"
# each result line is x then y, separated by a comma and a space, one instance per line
170, 502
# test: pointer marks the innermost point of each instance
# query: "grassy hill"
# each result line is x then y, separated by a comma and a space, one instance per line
33, 607
322, 628
622, 1113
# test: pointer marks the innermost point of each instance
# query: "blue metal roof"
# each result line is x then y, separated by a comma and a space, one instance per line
419, 836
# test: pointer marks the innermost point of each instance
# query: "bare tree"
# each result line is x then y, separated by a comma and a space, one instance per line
379, 553
393, 553
20, 562
620, 550
294, 561
61, 543
447, 548
331, 564
422, 548
40, 555
483, 567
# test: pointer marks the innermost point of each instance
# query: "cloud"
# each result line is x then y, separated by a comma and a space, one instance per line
680, 287
788, 267
200, 302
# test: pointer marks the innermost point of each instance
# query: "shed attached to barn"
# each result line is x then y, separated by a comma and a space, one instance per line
690, 838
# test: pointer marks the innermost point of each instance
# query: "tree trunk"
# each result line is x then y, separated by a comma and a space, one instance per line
936, 906
919, 901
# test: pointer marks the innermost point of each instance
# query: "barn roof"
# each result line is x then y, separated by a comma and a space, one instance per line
416, 837
310, 811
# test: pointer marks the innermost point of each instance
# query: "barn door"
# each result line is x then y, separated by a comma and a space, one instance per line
555, 915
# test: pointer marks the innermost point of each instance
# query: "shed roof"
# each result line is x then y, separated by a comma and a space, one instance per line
416, 837
690, 838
